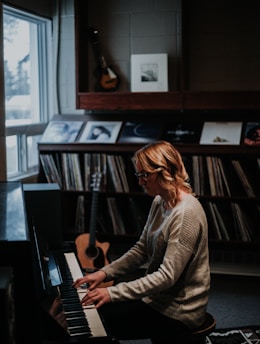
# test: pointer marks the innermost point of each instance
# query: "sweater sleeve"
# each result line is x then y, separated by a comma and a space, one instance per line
128, 262
133, 258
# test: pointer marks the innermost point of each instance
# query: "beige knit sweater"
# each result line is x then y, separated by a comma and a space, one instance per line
174, 245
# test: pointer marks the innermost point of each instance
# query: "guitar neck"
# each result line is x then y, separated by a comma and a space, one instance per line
93, 218
99, 56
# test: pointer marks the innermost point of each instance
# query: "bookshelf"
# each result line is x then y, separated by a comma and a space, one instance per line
182, 103
232, 203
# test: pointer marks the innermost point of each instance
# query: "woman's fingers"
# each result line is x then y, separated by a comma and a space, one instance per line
97, 296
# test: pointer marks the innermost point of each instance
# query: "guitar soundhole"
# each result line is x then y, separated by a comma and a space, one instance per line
95, 253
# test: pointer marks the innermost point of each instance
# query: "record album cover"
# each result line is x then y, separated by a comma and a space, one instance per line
138, 132
182, 132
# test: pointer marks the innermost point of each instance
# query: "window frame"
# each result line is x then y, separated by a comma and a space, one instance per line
22, 132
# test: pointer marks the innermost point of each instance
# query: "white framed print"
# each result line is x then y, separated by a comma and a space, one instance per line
149, 73
225, 133
61, 131
101, 132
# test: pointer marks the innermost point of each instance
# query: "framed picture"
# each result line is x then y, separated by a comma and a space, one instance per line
101, 131
61, 131
149, 73
221, 133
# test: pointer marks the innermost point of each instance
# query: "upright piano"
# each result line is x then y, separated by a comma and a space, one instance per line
47, 308
66, 320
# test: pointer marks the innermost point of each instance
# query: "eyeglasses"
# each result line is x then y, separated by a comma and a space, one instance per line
142, 175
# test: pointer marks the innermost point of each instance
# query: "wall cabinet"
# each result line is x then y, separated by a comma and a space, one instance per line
232, 209
198, 76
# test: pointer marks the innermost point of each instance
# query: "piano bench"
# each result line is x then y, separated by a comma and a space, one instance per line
197, 336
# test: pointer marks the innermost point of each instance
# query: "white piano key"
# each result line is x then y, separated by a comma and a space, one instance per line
74, 267
95, 322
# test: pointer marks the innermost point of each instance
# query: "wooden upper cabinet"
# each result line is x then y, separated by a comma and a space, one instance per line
212, 48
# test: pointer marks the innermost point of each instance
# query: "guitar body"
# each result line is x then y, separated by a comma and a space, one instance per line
82, 243
107, 81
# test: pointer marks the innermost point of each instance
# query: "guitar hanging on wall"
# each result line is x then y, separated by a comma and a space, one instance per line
107, 79
91, 253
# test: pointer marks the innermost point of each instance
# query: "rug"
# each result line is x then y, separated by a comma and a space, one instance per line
245, 335
248, 335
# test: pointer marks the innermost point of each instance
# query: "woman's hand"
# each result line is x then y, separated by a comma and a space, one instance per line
94, 295
98, 296
92, 279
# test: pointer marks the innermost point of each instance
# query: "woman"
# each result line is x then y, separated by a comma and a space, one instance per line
172, 296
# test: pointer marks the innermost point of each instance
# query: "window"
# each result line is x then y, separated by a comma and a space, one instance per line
27, 62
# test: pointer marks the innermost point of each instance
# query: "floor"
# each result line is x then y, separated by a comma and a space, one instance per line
233, 300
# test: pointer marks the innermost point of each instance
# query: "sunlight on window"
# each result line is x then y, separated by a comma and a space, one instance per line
20, 43
11, 148
32, 144
27, 67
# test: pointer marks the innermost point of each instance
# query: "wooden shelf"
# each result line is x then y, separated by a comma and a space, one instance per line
179, 101
224, 268
130, 147
232, 100
128, 101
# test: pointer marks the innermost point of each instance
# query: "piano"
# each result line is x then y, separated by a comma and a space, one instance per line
65, 320
47, 309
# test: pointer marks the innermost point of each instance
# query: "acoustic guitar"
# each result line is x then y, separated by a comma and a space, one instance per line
107, 79
91, 253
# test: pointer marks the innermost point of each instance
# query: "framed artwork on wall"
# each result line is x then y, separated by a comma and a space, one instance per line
149, 73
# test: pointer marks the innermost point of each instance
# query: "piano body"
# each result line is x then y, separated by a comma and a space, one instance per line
16, 253
47, 307
62, 307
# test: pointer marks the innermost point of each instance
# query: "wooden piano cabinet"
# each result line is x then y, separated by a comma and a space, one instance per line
16, 252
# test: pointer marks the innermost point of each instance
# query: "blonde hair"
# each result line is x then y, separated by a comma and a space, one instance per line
163, 157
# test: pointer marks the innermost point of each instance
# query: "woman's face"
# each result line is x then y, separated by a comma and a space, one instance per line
149, 182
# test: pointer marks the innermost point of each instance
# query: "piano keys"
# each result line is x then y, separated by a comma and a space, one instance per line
90, 312
82, 324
